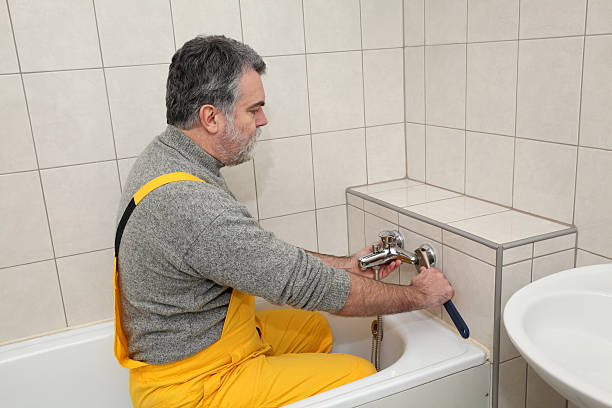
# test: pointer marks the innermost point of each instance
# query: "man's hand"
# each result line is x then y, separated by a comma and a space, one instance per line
432, 288
384, 270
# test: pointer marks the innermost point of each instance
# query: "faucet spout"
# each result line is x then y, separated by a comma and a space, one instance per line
391, 249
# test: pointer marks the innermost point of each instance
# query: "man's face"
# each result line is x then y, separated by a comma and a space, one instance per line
240, 133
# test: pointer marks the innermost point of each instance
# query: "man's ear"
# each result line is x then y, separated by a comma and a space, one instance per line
211, 118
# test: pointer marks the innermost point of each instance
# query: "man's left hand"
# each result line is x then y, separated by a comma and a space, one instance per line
384, 270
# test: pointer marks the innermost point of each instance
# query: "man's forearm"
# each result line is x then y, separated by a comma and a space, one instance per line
338, 262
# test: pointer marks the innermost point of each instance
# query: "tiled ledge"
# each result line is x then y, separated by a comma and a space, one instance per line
410, 203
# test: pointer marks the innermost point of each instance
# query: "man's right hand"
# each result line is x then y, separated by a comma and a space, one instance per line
433, 288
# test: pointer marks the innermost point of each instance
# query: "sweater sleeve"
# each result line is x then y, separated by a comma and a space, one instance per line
234, 251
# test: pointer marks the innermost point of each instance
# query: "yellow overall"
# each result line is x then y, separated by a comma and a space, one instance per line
265, 359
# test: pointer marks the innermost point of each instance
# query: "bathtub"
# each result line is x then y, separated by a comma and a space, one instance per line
423, 363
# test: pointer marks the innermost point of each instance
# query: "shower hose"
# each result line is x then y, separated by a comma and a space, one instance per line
377, 335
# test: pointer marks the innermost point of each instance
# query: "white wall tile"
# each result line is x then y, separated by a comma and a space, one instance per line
593, 197
356, 231
297, 229
445, 21
122, 44
332, 231
517, 254
16, 146
445, 165
489, 167
70, 118
8, 55
540, 164
473, 248
137, 97
374, 225
195, 17
540, 394
445, 85
332, 25
512, 380
387, 186
335, 87
413, 195
273, 27
339, 160
384, 99
420, 227
381, 23
552, 18
595, 118
492, 21
491, 87
355, 201
24, 236
87, 287
276, 162
82, 206
584, 258
380, 211
386, 152
55, 35
549, 89
20, 316
414, 22
455, 209
241, 181
549, 264
414, 83
514, 277
285, 84
599, 17
474, 284
125, 166
415, 151
551, 245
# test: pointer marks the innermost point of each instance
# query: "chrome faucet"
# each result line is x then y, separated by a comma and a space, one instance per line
391, 248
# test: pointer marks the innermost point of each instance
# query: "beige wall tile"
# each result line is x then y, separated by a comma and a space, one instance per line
593, 197
20, 316
599, 17
55, 35
489, 167
584, 258
414, 84
337, 167
473, 248
381, 23
512, 380
492, 21
445, 21
387, 186
373, 226
121, 44
549, 89
414, 22
354, 200
550, 264
194, 17
491, 87
384, 99
297, 229
241, 181
140, 114
474, 284
332, 26
24, 236
455, 209
552, 18
595, 120
445, 165
332, 230
82, 206
16, 145
554, 245
125, 166
380, 211
285, 84
8, 55
415, 151
356, 231
540, 164
70, 117
540, 394
514, 277
416, 194
87, 287
445, 85
517, 254
335, 88
420, 227
386, 152
277, 161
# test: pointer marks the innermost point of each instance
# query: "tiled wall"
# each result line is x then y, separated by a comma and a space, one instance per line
510, 101
82, 87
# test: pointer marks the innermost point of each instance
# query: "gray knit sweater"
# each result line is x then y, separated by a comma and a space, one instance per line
186, 246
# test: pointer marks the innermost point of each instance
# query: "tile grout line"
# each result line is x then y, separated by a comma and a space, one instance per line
241, 22
365, 133
518, 53
42, 190
425, 89
465, 101
172, 23
404, 85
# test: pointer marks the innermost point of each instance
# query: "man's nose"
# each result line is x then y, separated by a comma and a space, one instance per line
260, 118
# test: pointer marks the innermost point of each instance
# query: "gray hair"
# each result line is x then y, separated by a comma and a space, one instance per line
207, 71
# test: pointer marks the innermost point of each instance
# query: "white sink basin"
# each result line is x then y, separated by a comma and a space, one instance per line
562, 326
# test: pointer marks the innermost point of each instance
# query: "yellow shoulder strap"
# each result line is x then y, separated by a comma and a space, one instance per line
120, 343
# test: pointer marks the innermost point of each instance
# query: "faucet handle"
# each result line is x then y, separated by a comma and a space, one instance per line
391, 239
426, 256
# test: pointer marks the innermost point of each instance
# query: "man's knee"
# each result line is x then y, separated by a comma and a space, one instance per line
360, 367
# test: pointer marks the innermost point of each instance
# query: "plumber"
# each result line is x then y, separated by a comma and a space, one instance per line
189, 258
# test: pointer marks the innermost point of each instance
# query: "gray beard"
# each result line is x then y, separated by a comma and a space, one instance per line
232, 137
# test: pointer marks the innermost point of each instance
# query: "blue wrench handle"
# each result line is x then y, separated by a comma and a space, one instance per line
457, 319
